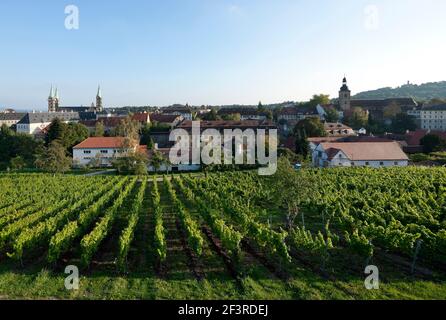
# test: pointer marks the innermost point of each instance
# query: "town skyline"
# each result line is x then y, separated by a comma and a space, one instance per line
215, 53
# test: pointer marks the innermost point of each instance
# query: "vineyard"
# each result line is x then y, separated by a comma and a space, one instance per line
231, 235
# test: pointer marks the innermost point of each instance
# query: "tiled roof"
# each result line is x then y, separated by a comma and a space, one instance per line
221, 124
163, 118
382, 103
299, 110
373, 151
438, 107
101, 142
336, 126
12, 116
43, 117
141, 117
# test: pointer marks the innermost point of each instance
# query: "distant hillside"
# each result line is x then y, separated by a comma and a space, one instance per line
422, 92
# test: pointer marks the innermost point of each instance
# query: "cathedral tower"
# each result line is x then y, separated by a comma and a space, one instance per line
99, 107
51, 101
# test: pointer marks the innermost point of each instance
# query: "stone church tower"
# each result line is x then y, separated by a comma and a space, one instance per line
99, 107
345, 96
53, 100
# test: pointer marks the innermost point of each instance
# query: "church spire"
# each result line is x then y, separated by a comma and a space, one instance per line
99, 94
51, 93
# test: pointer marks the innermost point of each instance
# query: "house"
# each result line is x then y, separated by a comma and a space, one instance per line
166, 119
34, 123
359, 154
178, 110
10, 118
338, 130
246, 113
433, 117
100, 151
221, 125
288, 117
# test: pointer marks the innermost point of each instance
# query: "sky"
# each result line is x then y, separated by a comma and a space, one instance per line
213, 52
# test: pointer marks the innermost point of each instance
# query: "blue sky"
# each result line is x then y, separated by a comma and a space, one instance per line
160, 52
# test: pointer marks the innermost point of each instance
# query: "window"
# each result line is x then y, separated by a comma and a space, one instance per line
395, 163
353, 164
381, 163
104, 151
87, 151
367, 163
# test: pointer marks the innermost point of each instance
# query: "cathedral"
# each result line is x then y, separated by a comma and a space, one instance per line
53, 103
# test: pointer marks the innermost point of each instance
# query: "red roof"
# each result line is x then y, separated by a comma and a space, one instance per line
141, 117
101, 142
413, 138
163, 118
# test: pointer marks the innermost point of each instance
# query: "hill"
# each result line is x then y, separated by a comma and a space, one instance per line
422, 92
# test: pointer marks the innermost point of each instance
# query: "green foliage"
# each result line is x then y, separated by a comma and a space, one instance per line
311, 127
431, 143
127, 234
53, 158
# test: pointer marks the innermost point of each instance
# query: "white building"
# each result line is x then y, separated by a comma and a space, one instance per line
359, 154
100, 151
35, 123
433, 118
10, 118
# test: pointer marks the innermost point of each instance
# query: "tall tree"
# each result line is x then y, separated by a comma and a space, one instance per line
403, 122
302, 144
358, 118
319, 99
53, 158
312, 126
57, 131
99, 129
331, 115
431, 143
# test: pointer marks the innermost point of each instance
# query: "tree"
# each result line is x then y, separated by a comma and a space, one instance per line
289, 190
57, 131
157, 160
17, 144
17, 163
134, 162
128, 128
392, 110
319, 99
432, 143
231, 117
403, 122
312, 126
53, 158
99, 129
211, 116
302, 144
331, 115
358, 118
68, 135
260, 107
